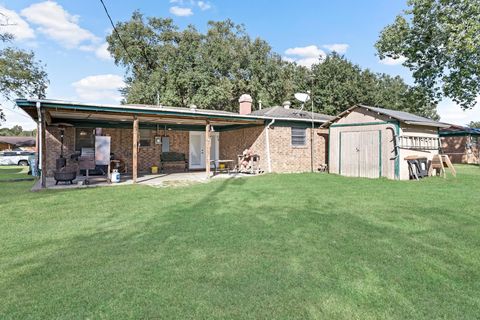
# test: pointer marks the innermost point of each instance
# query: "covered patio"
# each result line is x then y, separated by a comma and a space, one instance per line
138, 135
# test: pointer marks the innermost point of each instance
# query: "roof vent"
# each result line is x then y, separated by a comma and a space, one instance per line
287, 104
193, 107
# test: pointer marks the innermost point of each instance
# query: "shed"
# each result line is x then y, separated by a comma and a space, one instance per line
461, 144
373, 142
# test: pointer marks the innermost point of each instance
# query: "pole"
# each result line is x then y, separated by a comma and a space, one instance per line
43, 146
312, 133
207, 149
135, 150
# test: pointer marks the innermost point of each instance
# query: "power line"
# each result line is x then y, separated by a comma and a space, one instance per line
19, 113
121, 40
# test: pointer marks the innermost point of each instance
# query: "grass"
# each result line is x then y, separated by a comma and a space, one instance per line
272, 247
8, 173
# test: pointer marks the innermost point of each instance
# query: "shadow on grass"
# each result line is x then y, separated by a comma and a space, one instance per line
226, 250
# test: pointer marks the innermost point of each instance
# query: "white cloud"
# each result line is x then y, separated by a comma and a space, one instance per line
393, 62
340, 48
15, 25
305, 56
308, 51
288, 59
98, 88
57, 24
102, 52
181, 12
203, 5
450, 112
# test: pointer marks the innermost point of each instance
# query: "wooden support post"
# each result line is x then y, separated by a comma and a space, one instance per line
207, 149
43, 144
135, 149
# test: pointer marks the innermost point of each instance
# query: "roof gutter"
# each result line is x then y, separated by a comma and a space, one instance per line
39, 138
267, 145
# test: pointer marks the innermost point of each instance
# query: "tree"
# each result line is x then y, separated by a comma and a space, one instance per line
20, 74
440, 40
17, 131
212, 69
340, 84
187, 67
474, 124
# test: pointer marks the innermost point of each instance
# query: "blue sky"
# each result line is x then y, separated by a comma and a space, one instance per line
69, 37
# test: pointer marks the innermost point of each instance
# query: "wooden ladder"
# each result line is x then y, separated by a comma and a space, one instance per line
439, 163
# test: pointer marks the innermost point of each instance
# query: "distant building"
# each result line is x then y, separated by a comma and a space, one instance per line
461, 144
18, 143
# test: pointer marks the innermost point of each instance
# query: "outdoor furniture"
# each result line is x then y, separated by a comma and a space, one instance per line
173, 160
64, 176
248, 162
417, 167
223, 166
86, 163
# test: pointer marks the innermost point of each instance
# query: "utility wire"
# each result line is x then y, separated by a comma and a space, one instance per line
121, 40
14, 111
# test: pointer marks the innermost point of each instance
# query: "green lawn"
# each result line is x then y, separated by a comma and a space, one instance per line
291, 246
13, 172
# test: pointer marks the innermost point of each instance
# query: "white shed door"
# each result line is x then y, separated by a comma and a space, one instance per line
360, 154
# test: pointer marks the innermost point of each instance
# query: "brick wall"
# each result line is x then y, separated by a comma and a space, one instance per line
121, 146
284, 157
53, 146
455, 148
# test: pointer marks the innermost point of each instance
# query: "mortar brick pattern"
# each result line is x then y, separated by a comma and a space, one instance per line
284, 157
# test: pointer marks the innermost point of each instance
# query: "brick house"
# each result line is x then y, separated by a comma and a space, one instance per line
461, 144
287, 140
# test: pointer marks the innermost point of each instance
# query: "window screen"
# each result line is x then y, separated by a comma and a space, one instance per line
84, 138
145, 138
298, 137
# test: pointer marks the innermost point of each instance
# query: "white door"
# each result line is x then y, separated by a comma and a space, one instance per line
197, 149
360, 154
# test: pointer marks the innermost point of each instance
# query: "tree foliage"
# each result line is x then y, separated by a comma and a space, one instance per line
214, 68
20, 74
339, 84
474, 124
17, 131
188, 67
440, 40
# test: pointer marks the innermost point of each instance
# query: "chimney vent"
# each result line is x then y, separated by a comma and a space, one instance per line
287, 104
245, 104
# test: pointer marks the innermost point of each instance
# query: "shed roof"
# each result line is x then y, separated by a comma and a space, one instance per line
18, 141
455, 130
279, 112
401, 116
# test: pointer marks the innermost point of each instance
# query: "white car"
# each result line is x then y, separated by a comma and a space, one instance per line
14, 158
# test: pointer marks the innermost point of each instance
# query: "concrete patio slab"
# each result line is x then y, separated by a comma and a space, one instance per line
153, 180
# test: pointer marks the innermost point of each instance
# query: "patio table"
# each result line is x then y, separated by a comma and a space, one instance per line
227, 168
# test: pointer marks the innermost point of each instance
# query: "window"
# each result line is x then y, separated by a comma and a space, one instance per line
84, 138
145, 139
298, 137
